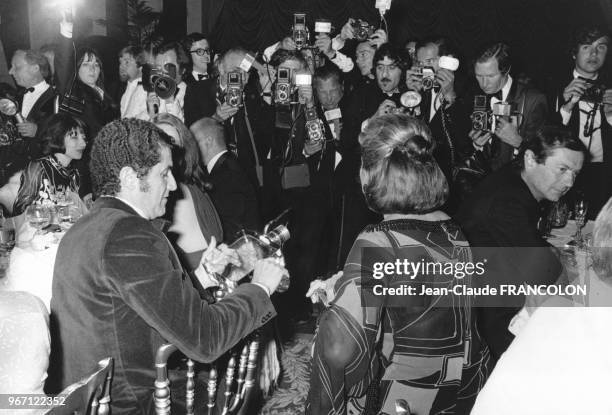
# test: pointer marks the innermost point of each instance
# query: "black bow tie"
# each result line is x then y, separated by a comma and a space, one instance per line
497, 95
30, 89
202, 76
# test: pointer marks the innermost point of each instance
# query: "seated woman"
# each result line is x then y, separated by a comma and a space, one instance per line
193, 217
423, 348
53, 176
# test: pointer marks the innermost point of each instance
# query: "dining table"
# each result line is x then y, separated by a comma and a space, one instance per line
29, 265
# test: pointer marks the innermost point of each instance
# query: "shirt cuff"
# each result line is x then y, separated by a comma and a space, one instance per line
565, 116
263, 287
337, 43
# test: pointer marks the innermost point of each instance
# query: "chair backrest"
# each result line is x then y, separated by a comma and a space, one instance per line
90, 395
239, 381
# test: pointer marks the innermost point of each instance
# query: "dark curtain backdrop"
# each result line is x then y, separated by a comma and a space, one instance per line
537, 30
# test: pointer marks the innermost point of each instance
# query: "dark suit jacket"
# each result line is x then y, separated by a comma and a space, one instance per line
534, 107
201, 101
234, 197
119, 290
42, 109
500, 221
595, 180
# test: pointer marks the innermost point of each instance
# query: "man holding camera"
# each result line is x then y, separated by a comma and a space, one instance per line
433, 76
585, 105
237, 99
511, 111
170, 63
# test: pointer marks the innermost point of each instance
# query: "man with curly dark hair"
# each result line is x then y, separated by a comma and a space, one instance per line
118, 287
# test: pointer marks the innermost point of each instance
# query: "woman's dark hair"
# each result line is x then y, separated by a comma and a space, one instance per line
88, 52
54, 130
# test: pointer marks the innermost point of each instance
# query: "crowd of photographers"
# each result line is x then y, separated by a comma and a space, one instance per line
291, 116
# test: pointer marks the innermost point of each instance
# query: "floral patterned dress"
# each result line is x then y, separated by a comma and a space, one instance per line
46, 179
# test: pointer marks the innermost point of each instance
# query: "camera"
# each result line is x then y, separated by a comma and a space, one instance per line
429, 78
481, 115
314, 126
363, 30
300, 31
233, 95
594, 92
282, 92
161, 80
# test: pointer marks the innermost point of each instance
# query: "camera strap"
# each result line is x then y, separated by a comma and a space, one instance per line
258, 167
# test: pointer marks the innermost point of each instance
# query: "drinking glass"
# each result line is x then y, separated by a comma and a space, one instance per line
580, 211
38, 216
560, 214
7, 234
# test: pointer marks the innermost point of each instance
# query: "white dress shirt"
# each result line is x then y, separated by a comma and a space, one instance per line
134, 101
595, 148
30, 98
176, 107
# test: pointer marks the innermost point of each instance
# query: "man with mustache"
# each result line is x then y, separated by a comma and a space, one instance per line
500, 221
370, 99
589, 116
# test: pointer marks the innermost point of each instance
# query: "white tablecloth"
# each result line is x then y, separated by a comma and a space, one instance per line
31, 267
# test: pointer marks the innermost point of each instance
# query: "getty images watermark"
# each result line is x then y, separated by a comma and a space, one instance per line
499, 282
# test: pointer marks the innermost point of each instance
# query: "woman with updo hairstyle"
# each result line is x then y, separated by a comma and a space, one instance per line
370, 348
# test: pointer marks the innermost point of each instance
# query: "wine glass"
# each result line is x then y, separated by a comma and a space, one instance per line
38, 216
580, 211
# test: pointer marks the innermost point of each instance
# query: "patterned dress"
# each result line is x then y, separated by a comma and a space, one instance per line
429, 353
46, 178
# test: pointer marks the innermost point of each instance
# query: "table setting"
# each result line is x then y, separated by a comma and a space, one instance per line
27, 263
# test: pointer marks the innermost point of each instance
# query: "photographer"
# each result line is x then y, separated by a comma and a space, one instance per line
368, 41
529, 109
170, 59
301, 168
437, 87
240, 100
584, 103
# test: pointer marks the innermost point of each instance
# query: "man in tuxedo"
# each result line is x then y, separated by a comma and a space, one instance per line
249, 126
200, 53
492, 71
29, 68
377, 98
233, 193
134, 99
589, 115
124, 292
441, 100
500, 221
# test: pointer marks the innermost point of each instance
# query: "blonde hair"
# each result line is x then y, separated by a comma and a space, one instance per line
398, 171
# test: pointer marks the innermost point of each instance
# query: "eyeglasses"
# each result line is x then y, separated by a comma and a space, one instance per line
200, 52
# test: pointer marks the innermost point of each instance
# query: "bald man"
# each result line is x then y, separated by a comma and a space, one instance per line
232, 194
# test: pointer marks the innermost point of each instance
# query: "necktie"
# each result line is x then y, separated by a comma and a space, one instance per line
497, 95
26, 90
202, 76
